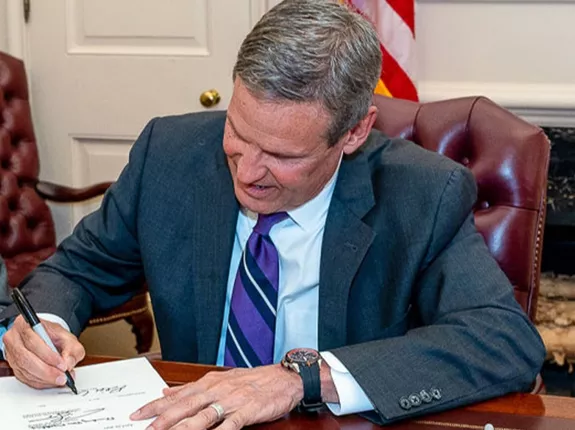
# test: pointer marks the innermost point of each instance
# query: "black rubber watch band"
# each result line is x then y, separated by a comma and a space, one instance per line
311, 387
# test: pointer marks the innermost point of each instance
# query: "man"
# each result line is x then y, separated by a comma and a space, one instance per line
283, 223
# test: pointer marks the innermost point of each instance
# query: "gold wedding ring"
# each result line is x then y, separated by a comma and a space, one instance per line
219, 410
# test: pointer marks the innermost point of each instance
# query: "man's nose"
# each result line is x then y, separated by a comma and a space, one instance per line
250, 168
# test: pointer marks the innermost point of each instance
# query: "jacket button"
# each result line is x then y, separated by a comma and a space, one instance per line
435, 393
405, 403
425, 396
414, 399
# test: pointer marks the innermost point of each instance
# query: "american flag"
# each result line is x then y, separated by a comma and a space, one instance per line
394, 21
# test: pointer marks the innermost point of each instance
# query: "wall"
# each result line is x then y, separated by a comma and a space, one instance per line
516, 52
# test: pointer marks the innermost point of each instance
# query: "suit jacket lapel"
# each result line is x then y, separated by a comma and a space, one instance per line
345, 243
214, 241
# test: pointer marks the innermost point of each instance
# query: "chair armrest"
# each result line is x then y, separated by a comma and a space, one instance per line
63, 194
136, 305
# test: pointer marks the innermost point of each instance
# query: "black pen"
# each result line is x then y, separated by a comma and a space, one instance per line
31, 318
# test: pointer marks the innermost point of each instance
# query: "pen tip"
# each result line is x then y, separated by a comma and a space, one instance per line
70, 382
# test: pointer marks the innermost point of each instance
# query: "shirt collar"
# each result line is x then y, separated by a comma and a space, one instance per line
314, 212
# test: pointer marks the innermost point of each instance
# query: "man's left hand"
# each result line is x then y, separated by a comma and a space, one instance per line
247, 396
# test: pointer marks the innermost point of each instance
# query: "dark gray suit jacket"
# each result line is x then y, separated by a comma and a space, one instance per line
410, 299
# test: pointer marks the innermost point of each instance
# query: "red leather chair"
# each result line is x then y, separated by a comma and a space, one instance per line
27, 234
509, 158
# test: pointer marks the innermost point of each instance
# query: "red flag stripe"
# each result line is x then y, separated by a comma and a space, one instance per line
394, 21
396, 80
406, 10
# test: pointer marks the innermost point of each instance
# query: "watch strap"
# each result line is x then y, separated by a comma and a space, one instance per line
311, 387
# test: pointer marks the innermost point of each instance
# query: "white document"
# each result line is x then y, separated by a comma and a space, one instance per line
107, 394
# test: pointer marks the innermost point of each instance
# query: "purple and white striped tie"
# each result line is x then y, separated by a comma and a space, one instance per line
252, 320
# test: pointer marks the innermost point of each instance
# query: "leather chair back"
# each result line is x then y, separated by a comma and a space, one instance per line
26, 224
509, 158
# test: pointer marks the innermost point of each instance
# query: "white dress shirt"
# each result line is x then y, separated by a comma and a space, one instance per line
298, 240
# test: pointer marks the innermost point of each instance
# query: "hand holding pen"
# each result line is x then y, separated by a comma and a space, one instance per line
32, 319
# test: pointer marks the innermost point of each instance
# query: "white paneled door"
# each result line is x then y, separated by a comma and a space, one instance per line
101, 69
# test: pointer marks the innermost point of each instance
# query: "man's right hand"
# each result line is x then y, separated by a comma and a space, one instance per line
33, 362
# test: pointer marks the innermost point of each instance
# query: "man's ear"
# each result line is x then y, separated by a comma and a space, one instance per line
358, 134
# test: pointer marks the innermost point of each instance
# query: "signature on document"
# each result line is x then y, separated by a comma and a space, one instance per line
95, 391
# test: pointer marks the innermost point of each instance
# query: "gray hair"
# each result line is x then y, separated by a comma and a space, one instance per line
313, 51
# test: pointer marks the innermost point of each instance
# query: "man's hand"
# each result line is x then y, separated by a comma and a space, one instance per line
33, 362
247, 396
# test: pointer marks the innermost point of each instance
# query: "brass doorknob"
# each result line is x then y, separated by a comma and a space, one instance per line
210, 98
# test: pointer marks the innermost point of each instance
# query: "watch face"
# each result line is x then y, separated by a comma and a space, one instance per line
303, 356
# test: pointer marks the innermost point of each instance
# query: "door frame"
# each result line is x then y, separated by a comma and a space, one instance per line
15, 30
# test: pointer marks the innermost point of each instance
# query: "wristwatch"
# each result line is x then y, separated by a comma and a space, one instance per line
306, 363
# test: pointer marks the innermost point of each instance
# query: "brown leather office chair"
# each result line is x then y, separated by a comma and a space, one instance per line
27, 234
509, 158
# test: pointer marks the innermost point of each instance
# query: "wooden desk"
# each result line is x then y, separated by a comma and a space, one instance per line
512, 412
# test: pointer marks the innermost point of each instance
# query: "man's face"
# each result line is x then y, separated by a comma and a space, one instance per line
277, 153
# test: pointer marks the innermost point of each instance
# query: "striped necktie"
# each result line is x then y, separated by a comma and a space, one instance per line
252, 319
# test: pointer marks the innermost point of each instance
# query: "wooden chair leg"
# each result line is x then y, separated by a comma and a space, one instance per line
143, 327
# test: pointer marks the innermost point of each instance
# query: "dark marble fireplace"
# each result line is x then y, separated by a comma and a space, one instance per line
556, 306
559, 239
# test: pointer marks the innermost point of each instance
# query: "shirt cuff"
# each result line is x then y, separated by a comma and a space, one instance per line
3, 331
48, 317
55, 319
352, 399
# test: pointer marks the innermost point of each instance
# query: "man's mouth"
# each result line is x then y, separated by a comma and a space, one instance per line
257, 190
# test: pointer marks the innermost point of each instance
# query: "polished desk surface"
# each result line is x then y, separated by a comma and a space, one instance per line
511, 412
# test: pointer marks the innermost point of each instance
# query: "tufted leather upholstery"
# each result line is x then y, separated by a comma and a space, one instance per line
26, 226
27, 234
509, 159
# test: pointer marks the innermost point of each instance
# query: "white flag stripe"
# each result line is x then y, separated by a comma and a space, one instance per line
396, 37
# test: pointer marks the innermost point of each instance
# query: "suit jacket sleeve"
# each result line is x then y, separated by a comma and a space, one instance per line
5, 299
474, 341
98, 266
